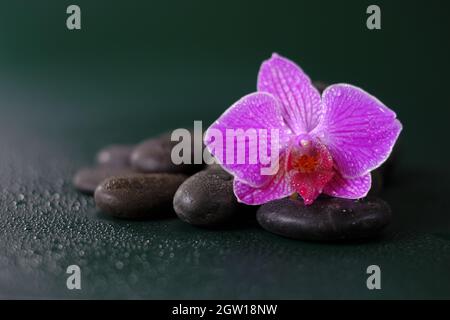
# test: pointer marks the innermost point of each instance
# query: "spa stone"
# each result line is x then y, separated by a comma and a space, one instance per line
327, 219
87, 179
138, 196
207, 199
154, 155
115, 155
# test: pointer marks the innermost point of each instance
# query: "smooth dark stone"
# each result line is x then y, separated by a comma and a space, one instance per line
377, 183
207, 198
389, 168
138, 196
214, 166
327, 219
115, 155
154, 155
87, 179
320, 85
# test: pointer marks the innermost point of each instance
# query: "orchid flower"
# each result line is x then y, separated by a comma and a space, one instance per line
329, 143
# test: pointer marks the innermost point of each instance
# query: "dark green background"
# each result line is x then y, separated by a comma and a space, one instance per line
141, 67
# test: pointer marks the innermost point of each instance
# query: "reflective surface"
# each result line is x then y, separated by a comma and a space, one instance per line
137, 69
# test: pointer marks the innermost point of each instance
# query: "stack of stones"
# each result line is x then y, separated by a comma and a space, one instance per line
141, 182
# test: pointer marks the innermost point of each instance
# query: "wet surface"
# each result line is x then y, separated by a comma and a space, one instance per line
46, 225
64, 96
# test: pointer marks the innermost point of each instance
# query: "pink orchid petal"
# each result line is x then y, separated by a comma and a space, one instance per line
301, 104
357, 128
354, 188
277, 187
255, 111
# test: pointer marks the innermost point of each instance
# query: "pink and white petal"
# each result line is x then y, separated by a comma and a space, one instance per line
301, 102
276, 188
256, 116
354, 188
358, 129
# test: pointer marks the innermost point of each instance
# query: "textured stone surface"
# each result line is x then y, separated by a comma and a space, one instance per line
207, 199
154, 155
115, 155
138, 196
88, 178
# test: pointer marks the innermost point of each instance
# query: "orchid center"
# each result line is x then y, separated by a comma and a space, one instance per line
311, 167
305, 163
